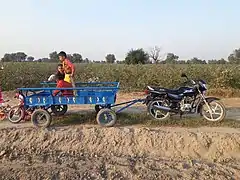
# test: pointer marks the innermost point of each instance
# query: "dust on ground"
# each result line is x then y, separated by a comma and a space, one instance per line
131, 152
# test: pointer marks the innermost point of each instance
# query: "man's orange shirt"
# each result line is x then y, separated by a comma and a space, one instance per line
63, 84
68, 67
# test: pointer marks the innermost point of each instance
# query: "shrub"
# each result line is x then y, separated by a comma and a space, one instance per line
131, 77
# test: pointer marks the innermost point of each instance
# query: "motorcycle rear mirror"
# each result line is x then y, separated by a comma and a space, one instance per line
183, 75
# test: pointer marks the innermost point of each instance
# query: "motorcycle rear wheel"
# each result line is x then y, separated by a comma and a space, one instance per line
158, 114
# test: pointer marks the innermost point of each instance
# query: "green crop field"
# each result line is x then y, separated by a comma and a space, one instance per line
222, 79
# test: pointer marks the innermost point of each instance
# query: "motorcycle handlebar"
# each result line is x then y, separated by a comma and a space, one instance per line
189, 80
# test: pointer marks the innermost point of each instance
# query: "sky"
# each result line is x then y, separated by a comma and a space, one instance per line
207, 29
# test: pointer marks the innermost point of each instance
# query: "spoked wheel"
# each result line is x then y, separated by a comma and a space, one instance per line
106, 117
41, 118
16, 114
156, 113
59, 110
217, 111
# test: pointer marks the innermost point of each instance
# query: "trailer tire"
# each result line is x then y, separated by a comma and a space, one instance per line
106, 117
42, 113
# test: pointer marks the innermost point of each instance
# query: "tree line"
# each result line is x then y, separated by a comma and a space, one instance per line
134, 56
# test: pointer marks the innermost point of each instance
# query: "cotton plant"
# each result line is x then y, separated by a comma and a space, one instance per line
93, 79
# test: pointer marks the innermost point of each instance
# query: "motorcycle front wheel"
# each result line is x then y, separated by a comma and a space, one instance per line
158, 114
217, 112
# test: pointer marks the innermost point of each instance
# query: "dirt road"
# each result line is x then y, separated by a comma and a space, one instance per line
131, 152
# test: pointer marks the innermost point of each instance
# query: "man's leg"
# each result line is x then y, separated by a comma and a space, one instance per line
73, 85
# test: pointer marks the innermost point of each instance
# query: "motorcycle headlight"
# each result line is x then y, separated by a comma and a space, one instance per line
204, 86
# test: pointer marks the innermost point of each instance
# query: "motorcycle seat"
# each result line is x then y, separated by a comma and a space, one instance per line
165, 90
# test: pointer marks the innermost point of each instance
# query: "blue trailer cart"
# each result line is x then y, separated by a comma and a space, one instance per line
101, 94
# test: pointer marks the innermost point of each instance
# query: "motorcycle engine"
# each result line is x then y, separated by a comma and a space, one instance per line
186, 104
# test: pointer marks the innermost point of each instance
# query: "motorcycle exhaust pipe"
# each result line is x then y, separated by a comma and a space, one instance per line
163, 108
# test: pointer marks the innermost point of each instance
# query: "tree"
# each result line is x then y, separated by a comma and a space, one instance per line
181, 62
234, 58
30, 58
221, 61
171, 58
154, 54
110, 58
138, 56
43, 60
195, 60
86, 60
53, 56
7, 58
19, 56
77, 58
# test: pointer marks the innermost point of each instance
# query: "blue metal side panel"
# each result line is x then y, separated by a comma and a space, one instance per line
38, 100
91, 94
68, 100
98, 98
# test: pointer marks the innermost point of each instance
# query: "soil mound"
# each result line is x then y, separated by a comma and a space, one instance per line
119, 153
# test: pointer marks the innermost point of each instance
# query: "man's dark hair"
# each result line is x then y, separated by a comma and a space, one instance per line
62, 53
60, 65
59, 76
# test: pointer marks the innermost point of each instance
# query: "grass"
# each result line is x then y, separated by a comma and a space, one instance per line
127, 119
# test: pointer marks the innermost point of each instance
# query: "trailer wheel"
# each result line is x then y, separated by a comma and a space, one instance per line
59, 110
41, 118
106, 117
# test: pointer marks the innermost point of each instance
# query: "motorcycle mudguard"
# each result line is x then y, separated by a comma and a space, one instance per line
153, 97
209, 100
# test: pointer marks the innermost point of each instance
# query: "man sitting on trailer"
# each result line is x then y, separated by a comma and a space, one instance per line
62, 84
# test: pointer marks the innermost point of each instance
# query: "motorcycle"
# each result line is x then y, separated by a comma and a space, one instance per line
162, 102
